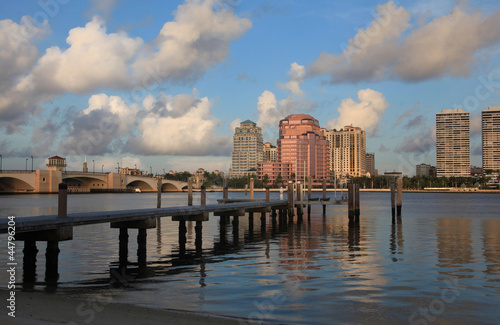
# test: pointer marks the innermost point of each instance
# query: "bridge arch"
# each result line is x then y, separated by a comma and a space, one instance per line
144, 186
83, 181
12, 184
169, 187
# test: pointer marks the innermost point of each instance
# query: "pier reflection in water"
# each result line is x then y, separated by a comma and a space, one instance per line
316, 271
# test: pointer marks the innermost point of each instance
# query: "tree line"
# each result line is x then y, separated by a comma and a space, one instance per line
373, 182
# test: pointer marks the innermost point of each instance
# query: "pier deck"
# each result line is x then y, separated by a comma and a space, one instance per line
50, 222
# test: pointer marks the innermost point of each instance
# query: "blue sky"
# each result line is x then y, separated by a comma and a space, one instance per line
161, 84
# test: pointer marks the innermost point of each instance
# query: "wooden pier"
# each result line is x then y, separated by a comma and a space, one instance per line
55, 228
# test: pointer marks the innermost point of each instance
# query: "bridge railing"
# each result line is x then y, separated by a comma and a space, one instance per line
17, 171
79, 173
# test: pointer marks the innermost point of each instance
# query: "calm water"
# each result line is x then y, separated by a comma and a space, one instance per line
440, 264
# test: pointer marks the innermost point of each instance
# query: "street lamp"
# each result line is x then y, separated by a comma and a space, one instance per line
93, 166
1, 160
102, 169
151, 170
31, 163
27, 164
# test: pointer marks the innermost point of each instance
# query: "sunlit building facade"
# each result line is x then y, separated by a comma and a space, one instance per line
270, 152
247, 149
347, 151
302, 151
453, 143
491, 138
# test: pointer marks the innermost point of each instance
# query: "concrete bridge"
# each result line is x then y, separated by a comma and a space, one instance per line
47, 181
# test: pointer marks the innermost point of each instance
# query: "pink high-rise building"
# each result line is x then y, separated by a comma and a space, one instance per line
302, 150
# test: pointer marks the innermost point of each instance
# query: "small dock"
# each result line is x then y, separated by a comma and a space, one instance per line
53, 229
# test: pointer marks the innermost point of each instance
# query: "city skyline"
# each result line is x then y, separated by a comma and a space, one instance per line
146, 84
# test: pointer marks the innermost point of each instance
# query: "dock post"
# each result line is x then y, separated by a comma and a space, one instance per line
251, 188
393, 194
225, 194
62, 202
281, 192
158, 196
141, 247
190, 191
400, 195
199, 224
267, 194
236, 230
350, 201
52, 262
29, 261
356, 203
324, 196
123, 247
300, 210
309, 189
182, 236
290, 199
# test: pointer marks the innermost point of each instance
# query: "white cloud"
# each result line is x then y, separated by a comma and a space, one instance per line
370, 52
297, 74
163, 125
177, 129
101, 128
445, 46
234, 124
269, 113
366, 113
18, 55
94, 60
197, 39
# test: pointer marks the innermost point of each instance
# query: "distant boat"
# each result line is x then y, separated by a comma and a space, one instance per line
137, 190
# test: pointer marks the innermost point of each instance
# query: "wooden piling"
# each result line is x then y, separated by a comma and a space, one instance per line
393, 199
123, 247
29, 261
225, 194
52, 262
141, 247
324, 195
236, 229
300, 210
290, 199
158, 196
203, 194
356, 203
350, 201
400, 195
199, 224
267, 194
190, 191
251, 188
309, 189
62, 202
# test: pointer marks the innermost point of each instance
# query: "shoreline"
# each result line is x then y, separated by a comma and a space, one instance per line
36, 308
329, 190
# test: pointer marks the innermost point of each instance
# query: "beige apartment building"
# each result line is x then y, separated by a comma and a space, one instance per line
491, 138
270, 152
347, 151
248, 149
453, 143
